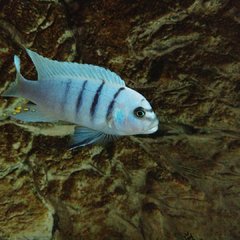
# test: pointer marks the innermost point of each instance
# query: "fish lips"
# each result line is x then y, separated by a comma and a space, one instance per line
153, 127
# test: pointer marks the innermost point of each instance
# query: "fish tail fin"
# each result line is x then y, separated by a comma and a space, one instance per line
15, 88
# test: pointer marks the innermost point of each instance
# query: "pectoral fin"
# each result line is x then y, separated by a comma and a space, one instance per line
85, 136
31, 113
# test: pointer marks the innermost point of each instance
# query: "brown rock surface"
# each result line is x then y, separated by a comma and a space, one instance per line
180, 183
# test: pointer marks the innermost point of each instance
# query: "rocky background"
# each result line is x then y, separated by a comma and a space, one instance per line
183, 182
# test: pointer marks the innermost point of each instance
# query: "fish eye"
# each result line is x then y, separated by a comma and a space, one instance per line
139, 112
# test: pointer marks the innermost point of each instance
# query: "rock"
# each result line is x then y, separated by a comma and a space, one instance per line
179, 183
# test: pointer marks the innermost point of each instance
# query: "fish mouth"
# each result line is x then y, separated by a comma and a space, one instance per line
153, 127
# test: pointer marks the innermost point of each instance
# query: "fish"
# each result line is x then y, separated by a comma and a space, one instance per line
93, 98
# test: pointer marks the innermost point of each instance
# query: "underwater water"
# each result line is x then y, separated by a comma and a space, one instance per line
180, 183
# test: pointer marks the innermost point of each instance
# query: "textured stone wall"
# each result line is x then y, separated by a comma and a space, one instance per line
182, 183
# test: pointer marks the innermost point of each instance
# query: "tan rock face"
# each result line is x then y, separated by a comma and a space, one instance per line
180, 183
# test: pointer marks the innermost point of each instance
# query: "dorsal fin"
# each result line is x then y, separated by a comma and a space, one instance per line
47, 69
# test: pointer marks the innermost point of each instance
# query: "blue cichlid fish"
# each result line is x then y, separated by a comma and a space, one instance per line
94, 98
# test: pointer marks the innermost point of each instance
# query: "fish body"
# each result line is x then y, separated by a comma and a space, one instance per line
95, 99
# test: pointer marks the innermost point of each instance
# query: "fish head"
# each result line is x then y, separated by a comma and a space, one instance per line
135, 115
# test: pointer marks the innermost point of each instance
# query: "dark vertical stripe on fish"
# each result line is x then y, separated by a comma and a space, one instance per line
64, 99
111, 105
80, 96
95, 100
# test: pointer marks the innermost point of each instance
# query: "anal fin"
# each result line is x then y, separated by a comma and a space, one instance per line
31, 113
